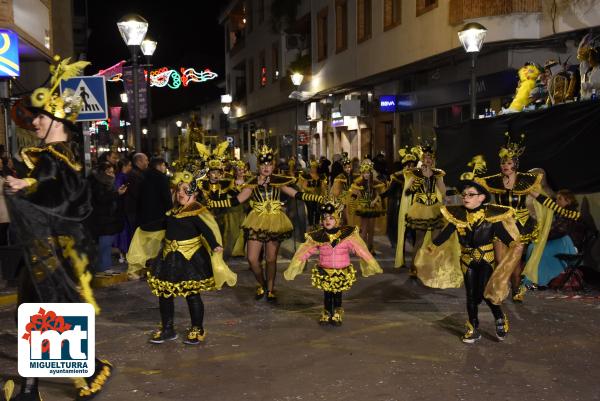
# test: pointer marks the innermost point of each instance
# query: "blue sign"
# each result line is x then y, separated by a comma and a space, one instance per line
9, 54
92, 91
387, 103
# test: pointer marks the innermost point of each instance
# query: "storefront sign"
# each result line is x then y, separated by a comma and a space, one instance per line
387, 103
9, 54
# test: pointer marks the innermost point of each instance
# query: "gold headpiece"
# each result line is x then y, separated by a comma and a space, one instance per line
265, 154
345, 159
408, 155
512, 150
425, 147
333, 207
214, 159
366, 166
64, 107
478, 167
314, 164
189, 171
238, 164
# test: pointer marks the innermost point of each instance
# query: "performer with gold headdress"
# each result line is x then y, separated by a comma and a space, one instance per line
313, 183
47, 210
237, 214
511, 188
409, 161
341, 189
267, 224
191, 260
477, 223
334, 273
367, 190
421, 214
215, 186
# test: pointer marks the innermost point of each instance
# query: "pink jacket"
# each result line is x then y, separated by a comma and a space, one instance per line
338, 257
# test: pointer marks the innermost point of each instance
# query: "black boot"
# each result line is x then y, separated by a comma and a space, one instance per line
195, 334
166, 332
95, 383
29, 390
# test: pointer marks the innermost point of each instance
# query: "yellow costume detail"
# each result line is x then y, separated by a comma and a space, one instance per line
333, 280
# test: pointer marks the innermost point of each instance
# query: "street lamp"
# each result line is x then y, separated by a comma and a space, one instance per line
471, 36
145, 131
178, 123
133, 29
226, 103
297, 79
148, 47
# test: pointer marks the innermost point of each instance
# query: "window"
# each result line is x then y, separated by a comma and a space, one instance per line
322, 34
424, 6
392, 13
363, 20
275, 61
262, 65
341, 25
261, 11
250, 75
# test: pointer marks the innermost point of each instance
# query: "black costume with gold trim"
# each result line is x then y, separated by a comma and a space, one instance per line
476, 229
424, 212
365, 192
315, 186
267, 221
47, 222
184, 267
393, 195
516, 198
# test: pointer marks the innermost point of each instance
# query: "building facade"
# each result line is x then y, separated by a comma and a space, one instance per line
380, 74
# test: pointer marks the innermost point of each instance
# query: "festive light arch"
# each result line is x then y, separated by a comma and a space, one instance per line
164, 77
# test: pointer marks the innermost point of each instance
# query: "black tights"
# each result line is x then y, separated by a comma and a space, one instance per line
476, 278
332, 300
167, 310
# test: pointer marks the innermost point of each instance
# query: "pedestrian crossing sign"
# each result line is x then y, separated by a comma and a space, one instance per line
92, 91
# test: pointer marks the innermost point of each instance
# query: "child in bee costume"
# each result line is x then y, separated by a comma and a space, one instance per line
334, 273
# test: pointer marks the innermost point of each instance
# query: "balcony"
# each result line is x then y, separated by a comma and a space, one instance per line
461, 10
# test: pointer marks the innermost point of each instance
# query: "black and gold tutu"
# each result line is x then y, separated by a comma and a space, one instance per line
424, 217
333, 280
175, 276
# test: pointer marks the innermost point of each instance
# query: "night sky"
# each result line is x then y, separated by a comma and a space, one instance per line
188, 35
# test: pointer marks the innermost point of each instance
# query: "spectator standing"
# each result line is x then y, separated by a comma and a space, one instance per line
106, 219
135, 176
155, 195
324, 164
123, 238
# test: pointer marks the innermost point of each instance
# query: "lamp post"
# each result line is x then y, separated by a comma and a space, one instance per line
226, 103
297, 79
133, 29
471, 36
148, 47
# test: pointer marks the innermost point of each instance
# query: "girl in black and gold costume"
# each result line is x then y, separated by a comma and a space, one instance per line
191, 260
426, 187
367, 191
267, 223
511, 188
394, 193
341, 188
316, 184
238, 213
477, 224
47, 211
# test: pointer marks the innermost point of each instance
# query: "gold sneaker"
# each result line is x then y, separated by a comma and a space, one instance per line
338, 316
519, 296
471, 334
325, 317
195, 335
260, 292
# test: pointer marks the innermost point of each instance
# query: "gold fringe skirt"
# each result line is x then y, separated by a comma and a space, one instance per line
333, 280
423, 217
266, 227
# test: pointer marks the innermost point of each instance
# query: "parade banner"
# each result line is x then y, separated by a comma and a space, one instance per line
562, 140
